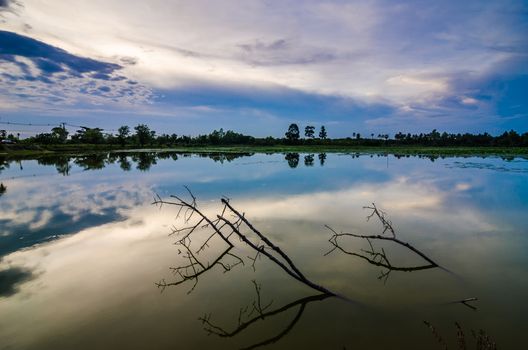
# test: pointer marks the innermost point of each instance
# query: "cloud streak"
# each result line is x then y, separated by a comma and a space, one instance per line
33, 71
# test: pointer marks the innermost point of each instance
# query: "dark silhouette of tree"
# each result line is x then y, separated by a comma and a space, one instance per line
89, 135
293, 134
322, 133
60, 134
143, 134
309, 131
3, 189
122, 134
293, 159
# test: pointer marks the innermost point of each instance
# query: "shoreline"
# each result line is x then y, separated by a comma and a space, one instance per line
72, 150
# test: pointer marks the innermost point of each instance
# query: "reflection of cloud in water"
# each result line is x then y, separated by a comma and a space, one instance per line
107, 269
11, 278
87, 273
35, 215
403, 198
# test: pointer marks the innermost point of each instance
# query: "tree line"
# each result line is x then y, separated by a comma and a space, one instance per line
142, 136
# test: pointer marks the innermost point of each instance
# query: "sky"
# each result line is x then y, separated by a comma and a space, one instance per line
255, 66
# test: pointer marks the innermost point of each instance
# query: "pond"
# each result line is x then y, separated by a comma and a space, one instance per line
86, 257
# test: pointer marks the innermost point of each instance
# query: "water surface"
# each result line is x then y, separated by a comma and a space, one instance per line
81, 248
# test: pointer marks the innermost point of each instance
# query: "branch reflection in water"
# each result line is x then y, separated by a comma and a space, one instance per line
261, 314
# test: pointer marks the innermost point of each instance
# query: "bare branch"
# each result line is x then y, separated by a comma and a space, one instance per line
225, 228
379, 257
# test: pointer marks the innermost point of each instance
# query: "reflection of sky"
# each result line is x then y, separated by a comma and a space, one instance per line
101, 274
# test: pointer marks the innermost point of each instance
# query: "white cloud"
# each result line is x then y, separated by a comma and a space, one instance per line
354, 49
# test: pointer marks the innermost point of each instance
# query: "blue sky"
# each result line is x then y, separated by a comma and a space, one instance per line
256, 66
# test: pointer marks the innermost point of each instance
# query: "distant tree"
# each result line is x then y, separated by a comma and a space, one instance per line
88, 135
293, 133
216, 136
358, 136
322, 133
3, 134
122, 134
309, 131
60, 134
143, 134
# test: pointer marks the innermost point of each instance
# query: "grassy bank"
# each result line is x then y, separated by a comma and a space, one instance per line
29, 151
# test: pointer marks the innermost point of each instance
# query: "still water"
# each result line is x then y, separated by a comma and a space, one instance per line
82, 248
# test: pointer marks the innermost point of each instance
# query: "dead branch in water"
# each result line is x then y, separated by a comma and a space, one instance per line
379, 257
466, 302
227, 225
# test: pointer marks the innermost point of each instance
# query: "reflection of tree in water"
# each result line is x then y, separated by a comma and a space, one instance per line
112, 158
309, 160
94, 161
124, 164
4, 163
3, 189
224, 157
292, 159
322, 158
168, 155
61, 163
144, 160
